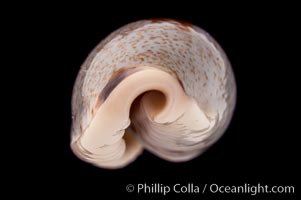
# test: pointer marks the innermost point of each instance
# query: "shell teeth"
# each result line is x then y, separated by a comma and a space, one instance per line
165, 86
181, 135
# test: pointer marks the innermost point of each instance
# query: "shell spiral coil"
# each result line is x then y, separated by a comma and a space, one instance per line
162, 85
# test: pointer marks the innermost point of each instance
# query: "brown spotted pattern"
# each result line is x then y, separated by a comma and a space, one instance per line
185, 51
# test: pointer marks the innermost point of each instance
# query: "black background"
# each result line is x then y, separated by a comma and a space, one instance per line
260, 145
